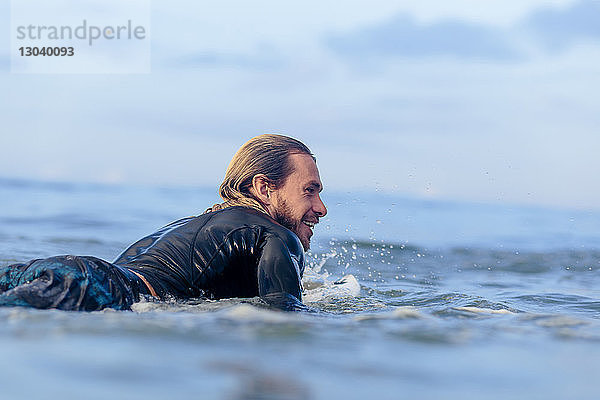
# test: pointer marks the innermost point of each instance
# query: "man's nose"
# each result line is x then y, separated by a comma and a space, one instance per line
319, 208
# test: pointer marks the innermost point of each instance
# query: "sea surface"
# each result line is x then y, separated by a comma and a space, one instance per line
421, 298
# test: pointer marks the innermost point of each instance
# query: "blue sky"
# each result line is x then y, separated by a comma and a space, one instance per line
492, 101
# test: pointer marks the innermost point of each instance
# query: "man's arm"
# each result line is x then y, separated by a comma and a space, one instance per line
279, 282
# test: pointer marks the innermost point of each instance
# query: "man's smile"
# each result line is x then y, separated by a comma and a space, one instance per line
310, 224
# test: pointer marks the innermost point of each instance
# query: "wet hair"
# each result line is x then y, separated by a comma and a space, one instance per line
266, 154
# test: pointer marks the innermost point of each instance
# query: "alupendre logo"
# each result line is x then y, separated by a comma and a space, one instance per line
87, 32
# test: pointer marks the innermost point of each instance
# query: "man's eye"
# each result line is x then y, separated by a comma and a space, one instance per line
310, 190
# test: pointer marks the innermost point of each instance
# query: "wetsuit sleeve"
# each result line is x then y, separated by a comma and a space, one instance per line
279, 282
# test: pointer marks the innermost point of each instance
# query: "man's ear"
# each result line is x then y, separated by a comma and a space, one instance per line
261, 188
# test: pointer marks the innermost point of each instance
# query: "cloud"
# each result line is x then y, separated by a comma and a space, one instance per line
264, 58
403, 37
562, 28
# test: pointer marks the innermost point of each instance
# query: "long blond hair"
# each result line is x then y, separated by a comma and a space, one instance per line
266, 154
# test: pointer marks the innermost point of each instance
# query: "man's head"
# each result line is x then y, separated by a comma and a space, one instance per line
280, 175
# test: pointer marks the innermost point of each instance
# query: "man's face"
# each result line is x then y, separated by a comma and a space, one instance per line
297, 203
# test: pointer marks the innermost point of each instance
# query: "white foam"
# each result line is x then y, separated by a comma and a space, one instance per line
324, 288
406, 312
248, 312
317, 268
479, 310
145, 306
560, 321
149, 304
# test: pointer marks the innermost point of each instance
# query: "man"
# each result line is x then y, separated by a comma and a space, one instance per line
250, 245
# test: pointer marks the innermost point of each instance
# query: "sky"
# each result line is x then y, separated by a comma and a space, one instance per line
485, 101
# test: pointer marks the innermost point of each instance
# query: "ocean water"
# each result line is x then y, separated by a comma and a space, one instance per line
421, 299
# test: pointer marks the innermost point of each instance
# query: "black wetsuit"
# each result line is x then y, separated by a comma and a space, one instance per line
234, 252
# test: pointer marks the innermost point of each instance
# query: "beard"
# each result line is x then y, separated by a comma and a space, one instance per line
284, 216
